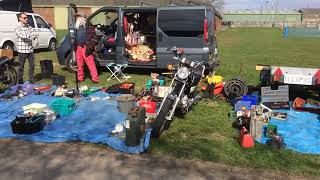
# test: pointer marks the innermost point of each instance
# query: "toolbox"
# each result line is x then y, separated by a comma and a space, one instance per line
135, 126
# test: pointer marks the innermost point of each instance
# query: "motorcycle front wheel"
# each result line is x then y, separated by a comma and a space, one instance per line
161, 122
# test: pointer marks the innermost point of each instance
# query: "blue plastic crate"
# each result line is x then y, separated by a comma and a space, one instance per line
240, 105
252, 98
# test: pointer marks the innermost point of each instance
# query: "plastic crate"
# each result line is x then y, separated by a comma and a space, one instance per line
243, 105
63, 106
252, 98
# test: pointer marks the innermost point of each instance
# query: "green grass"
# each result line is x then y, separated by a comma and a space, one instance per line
206, 132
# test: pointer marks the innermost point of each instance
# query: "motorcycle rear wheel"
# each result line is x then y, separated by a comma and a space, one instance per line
161, 122
11, 77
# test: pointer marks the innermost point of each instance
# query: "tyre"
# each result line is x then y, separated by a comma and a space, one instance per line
7, 45
52, 45
69, 64
161, 123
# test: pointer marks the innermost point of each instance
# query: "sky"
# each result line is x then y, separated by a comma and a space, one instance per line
270, 4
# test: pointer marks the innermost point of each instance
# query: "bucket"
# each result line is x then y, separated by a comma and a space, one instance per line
46, 68
58, 80
125, 103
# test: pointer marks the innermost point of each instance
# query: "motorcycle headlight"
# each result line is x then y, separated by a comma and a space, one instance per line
183, 72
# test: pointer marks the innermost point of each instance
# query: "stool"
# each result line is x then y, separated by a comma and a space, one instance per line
117, 71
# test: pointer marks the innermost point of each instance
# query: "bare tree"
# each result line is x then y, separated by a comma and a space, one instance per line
219, 4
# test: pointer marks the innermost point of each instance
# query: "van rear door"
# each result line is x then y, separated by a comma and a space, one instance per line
183, 27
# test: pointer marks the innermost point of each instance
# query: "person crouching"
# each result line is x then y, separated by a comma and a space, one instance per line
86, 41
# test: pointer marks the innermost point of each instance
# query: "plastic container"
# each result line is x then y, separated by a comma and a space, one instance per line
58, 80
252, 98
46, 68
125, 103
63, 106
149, 105
28, 125
243, 105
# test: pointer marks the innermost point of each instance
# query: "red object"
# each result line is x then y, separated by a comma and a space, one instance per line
317, 76
81, 59
205, 31
150, 106
218, 88
111, 40
246, 140
277, 75
298, 102
42, 88
125, 24
127, 86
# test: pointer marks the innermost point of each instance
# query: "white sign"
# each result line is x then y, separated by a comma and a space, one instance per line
298, 79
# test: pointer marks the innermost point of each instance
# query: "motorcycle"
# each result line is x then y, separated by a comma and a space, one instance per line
8, 74
182, 93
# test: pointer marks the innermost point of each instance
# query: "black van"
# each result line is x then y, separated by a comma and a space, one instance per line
140, 36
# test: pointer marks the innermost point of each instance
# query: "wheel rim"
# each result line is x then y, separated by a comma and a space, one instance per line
53, 45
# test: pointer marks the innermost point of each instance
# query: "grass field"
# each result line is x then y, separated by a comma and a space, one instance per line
206, 132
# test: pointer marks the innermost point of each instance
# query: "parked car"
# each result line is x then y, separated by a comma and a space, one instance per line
8, 22
140, 36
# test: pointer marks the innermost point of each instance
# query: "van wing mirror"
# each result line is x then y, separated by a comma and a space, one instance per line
49, 25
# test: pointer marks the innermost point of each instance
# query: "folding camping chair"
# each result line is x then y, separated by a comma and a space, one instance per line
116, 71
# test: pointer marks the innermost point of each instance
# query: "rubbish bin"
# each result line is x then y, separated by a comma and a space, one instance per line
46, 68
125, 103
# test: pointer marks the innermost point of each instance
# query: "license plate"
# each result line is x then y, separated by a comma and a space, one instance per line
296, 79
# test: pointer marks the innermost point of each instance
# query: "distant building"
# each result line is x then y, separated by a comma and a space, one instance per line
310, 15
56, 13
254, 17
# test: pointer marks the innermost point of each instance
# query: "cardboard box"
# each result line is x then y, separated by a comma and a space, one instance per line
6, 52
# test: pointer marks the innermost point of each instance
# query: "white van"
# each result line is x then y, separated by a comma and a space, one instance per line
8, 22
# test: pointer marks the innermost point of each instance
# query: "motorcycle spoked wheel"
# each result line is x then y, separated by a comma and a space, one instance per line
161, 122
12, 77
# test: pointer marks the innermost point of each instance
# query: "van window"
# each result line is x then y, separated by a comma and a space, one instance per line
182, 22
40, 22
30, 21
104, 18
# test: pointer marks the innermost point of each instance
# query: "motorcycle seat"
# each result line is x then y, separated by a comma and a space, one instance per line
4, 59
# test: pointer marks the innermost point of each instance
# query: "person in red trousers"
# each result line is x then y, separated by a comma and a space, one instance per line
86, 42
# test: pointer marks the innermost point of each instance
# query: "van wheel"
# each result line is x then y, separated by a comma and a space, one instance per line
7, 45
52, 45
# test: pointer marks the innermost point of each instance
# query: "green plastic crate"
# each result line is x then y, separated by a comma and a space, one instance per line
63, 106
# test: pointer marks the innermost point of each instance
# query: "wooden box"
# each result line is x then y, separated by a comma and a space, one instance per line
6, 52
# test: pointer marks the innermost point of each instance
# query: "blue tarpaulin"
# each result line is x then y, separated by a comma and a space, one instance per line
301, 131
90, 122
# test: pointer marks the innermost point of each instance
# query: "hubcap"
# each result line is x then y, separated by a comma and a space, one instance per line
53, 45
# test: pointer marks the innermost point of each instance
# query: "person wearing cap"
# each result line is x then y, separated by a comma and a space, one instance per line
86, 42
